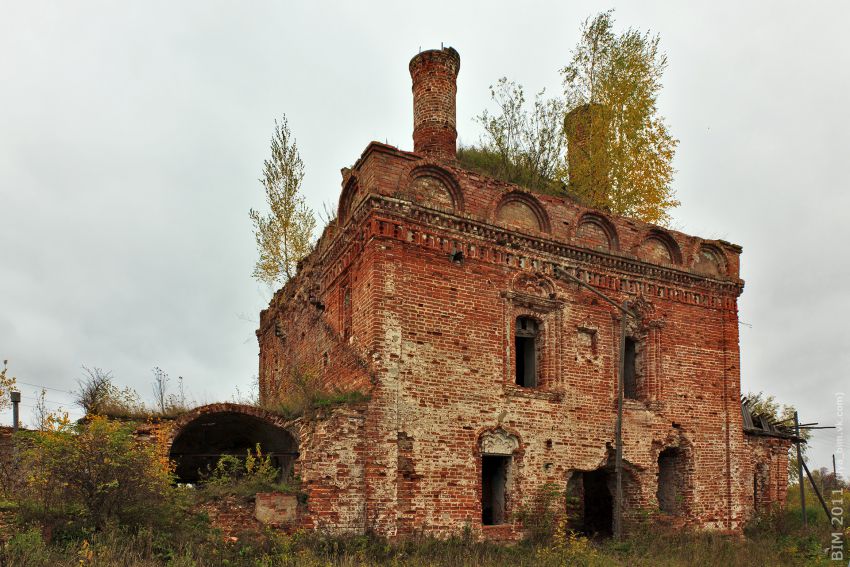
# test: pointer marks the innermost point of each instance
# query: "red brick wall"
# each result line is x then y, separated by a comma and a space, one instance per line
429, 334
767, 471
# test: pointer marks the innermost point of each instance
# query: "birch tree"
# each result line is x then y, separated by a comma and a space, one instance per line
619, 77
283, 233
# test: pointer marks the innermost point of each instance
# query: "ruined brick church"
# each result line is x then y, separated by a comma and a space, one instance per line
448, 298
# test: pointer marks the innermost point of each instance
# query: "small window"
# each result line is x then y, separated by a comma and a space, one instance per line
526, 352
629, 376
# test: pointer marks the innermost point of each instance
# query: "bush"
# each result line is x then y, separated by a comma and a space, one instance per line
304, 395
244, 478
540, 517
87, 475
27, 549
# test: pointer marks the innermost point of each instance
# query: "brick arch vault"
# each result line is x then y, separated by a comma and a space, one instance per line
202, 436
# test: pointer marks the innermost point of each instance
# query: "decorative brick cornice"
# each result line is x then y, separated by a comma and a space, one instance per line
379, 216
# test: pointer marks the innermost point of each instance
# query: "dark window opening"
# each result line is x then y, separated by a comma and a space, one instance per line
526, 352
494, 480
670, 480
629, 375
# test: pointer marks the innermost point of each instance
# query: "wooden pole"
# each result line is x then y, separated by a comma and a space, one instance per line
800, 471
817, 492
618, 459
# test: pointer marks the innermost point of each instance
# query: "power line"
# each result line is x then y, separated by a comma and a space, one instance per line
45, 387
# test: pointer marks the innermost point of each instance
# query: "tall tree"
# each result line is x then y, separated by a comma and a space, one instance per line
284, 234
615, 80
620, 152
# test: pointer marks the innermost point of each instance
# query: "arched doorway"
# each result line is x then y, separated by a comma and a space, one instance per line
205, 434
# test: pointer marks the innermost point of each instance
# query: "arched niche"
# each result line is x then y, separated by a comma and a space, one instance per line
346, 199
596, 231
204, 435
660, 248
710, 261
521, 210
434, 187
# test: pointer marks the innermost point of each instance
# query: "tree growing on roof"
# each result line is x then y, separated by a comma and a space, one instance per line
283, 234
623, 159
618, 77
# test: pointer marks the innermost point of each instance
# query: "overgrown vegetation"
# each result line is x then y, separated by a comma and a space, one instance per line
80, 476
303, 395
284, 234
519, 145
774, 539
767, 406
245, 477
542, 515
611, 85
97, 394
7, 384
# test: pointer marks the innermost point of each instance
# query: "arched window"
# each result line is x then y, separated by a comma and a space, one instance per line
525, 340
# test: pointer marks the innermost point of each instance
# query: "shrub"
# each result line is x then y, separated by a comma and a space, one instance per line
540, 517
304, 395
95, 473
27, 549
244, 478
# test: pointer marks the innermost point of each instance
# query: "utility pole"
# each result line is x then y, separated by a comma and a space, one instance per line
16, 400
618, 457
800, 470
618, 434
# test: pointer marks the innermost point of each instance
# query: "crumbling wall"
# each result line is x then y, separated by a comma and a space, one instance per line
332, 463
766, 472
417, 296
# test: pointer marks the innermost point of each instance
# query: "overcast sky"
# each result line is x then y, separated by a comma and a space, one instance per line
132, 136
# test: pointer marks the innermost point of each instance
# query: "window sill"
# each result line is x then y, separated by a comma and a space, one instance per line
533, 393
648, 405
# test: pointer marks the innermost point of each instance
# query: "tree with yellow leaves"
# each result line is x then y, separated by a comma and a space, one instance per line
284, 234
611, 88
7, 384
618, 148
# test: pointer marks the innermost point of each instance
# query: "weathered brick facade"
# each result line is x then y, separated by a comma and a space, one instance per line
424, 293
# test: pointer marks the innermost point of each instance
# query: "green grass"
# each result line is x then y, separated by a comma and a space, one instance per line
776, 539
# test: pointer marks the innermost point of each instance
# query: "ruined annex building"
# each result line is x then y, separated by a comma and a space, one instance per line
447, 299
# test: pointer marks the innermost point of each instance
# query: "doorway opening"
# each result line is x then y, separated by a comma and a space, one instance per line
494, 481
598, 503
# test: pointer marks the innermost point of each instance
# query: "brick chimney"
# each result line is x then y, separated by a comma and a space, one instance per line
434, 75
587, 157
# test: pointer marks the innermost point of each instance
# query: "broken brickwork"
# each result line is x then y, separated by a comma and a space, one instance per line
440, 293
